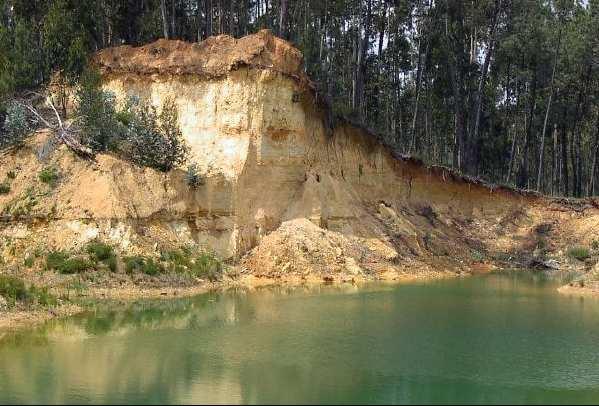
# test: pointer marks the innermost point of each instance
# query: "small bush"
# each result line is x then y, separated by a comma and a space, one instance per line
580, 253
477, 256
97, 114
11, 175
100, 251
49, 176
152, 139
207, 265
4, 188
103, 253
16, 125
13, 289
29, 261
142, 264
179, 261
192, 177
62, 263
42, 296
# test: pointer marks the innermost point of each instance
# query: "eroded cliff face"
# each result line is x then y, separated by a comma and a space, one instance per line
302, 197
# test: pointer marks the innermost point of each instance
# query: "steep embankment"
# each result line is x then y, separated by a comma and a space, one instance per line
285, 195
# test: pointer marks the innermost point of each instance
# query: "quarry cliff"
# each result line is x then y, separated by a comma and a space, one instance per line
285, 195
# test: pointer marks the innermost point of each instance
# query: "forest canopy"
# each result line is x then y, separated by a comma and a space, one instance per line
506, 90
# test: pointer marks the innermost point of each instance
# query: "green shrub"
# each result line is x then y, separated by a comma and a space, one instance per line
4, 188
42, 296
13, 289
16, 125
103, 253
99, 250
179, 261
580, 253
29, 261
193, 177
151, 139
49, 176
207, 265
97, 114
61, 262
11, 175
75, 265
55, 259
477, 256
142, 264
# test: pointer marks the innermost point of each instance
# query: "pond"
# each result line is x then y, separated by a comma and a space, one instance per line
498, 338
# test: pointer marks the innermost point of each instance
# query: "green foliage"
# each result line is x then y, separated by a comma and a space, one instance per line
153, 139
101, 128
63, 263
11, 175
4, 188
192, 177
49, 176
99, 250
29, 261
178, 261
14, 290
579, 252
477, 256
137, 132
66, 38
199, 265
16, 125
142, 264
104, 253
207, 265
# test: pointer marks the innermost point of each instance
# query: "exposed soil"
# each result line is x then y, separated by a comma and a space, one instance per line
286, 199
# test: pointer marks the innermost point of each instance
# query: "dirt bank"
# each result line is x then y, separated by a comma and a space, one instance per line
285, 198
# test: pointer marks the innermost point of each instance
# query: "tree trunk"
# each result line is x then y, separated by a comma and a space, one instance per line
208, 16
164, 18
591, 184
523, 180
358, 100
454, 32
283, 19
481, 84
173, 16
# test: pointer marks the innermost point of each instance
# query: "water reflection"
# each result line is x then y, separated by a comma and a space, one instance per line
506, 338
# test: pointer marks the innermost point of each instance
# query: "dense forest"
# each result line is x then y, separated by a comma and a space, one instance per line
506, 90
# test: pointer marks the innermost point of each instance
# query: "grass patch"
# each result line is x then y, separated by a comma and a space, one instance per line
207, 265
63, 263
29, 261
11, 175
178, 261
14, 290
49, 176
104, 253
4, 188
142, 264
477, 256
580, 253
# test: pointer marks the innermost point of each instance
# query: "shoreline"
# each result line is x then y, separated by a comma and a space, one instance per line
578, 291
14, 320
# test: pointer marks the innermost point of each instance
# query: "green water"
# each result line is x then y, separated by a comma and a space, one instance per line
491, 339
